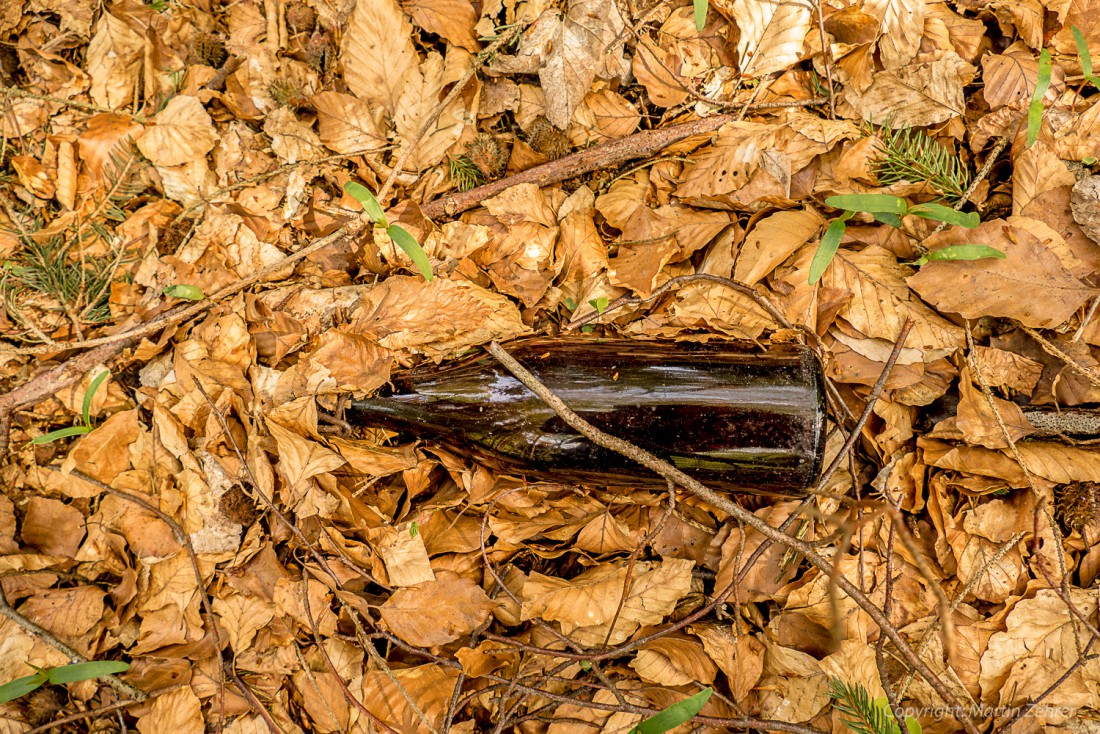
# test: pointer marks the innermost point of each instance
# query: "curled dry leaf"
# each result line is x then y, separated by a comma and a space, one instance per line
902, 28
773, 240
674, 661
176, 711
454, 20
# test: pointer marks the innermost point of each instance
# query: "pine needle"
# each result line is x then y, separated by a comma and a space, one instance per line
464, 173
912, 156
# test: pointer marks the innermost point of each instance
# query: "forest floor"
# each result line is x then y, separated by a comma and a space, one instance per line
219, 221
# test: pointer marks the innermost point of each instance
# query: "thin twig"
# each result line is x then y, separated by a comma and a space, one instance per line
82, 106
724, 504
49, 638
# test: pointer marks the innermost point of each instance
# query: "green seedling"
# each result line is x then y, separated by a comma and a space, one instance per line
600, 304
888, 210
700, 7
1035, 111
676, 714
85, 414
396, 232
864, 714
960, 252
61, 674
1086, 58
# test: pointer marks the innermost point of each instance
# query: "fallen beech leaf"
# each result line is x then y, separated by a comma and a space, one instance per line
674, 661
902, 28
740, 657
773, 240
114, 61
379, 53
881, 301
587, 44
177, 711
404, 312
1030, 284
429, 687
436, 612
771, 34
916, 95
454, 20
183, 133
978, 423
346, 124
404, 554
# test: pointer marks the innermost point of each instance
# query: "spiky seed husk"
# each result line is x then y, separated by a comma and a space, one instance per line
547, 139
301, 18
1077, 504
288, 94
209, 49
487, 154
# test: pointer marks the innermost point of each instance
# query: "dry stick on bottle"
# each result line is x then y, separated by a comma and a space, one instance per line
669, 472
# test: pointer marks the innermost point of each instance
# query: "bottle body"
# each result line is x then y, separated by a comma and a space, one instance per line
733, 419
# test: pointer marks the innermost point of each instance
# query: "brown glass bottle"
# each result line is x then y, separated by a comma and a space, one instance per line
733, 418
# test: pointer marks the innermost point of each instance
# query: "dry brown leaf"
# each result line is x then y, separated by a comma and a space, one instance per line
436, 612
346, 124
438, 318
728, 164
418, 101
1001, 368
654, 68
773, 240
740, 656
69, 613
453, 20
177, 711
978, 423
242, 617
103, 453
378, 53
674, 661
52, 527
1037, 170
114, 61
586, 604
301, 458
1036, 628
772, 33
182, 133
587, 44
916, 95
1010, 77
881, 301
404, 554
902, 28
428, 686
1030, 284
793, 688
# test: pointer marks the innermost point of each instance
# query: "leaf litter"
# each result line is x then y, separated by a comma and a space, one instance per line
166, 174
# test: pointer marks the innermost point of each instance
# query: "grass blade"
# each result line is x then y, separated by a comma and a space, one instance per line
830, 243
870, 203
412, 248
86, 408
59, 434
941, 213
1083, 52
366, 200
20, 687
85, 671
676, 714
1035, 111
701, 14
